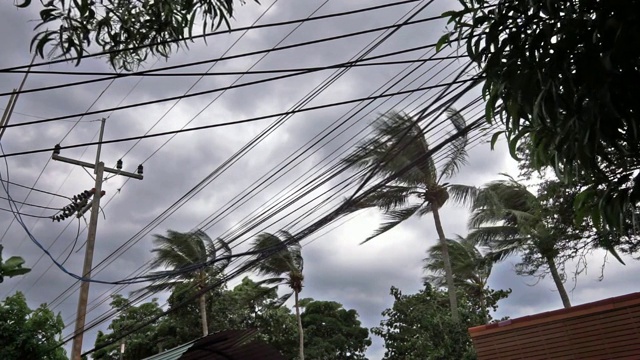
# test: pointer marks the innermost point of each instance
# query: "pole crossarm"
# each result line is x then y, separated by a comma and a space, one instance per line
92, 166
99, 170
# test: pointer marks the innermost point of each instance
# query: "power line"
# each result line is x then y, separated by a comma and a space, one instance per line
301, 234
476, 121
231, 57
226, 73
34, 189
224, 32
112, 312
471, 141
154, 152
277, 123
234, 236
32, 205
206, 92
27, 215
254, 119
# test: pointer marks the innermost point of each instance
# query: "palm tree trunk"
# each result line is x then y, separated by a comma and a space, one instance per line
300, 331
451, 289
558, 280
203, 315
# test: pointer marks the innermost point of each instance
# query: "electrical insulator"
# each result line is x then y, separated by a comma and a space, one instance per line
56, 149
84, 209
119, 164
140, 169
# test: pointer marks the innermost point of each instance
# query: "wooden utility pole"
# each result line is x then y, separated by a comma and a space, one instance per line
99, 170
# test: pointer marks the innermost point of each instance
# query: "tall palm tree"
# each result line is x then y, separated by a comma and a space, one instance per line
471, 269
508, 218
283, 267
180, 251
398, 142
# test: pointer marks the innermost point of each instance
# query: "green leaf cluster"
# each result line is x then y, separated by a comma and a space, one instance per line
127, 31
562, 76
12, 266
419, 326
29, 334
332, 331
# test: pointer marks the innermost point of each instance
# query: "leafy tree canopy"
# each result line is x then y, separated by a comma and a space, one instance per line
11, 267
420, 327
127, 31
29, 334
332, 332
138, 345
563, 75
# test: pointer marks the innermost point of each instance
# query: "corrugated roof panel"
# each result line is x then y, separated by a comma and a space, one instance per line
171, 354
225, 345
607, 329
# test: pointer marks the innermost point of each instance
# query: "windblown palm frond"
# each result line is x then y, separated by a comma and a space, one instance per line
194, 253
188, 259
283, 266
400, 143
507, 218
469, 265
462, 194
389, 197
394, 218
456, 152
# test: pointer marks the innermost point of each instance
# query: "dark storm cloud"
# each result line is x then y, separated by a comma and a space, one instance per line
337, 268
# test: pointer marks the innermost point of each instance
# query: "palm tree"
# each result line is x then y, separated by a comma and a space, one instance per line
471, 269
400, 142
283, 267
180, 251
508, 218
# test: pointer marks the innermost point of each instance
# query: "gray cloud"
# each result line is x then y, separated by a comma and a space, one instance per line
337, 268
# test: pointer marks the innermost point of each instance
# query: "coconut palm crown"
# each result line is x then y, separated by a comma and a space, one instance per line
284, 267
471, 269
183, 251
508, 219
399, 141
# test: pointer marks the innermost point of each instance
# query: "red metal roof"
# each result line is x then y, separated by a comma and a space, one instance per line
605, 329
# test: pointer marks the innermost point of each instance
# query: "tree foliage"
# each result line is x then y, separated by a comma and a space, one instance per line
332, 332
29, 334
11, 267
127, 31
419, 326
138, 345
563, 75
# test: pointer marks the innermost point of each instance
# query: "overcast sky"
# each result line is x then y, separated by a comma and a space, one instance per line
336, 267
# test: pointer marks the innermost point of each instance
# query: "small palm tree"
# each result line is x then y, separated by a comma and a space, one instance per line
180, 251
471, 269
283, 267
400, 142
508, 219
